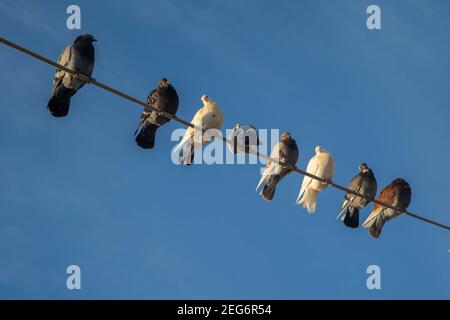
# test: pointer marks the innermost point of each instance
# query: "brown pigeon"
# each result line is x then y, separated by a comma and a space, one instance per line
396, 194
284, 151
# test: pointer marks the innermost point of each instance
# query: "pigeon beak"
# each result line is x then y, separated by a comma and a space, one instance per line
94, 40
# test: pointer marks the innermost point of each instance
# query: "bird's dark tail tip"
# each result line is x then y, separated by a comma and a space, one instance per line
351, 219
146, 136
375, 229
59, 103
268, 192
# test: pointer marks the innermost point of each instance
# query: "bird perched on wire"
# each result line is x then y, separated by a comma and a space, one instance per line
244, 139
79, 57
210, 116
365, 183
285, 151
396, 194
163, 98
323, 166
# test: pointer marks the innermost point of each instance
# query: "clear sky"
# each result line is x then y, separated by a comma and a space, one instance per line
79, 191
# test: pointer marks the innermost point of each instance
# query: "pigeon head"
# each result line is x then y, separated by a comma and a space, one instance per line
363, 167
319, 149
236, 127
285, 136
205, 98
85, 39
163, 83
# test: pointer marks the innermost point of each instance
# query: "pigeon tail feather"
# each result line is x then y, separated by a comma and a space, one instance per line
146, 136
371, 219
351, 218
269, 188
377, 227
59, 102
267, 173
343, 209
309, 200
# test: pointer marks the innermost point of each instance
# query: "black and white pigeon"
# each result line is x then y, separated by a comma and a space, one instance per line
79, 57
285, 151
164, 98
365, 183
244, 139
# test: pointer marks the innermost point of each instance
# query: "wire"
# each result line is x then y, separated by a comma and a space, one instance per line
187, 123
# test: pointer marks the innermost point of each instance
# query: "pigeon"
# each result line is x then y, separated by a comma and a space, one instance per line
323, 166
244, 139
396, 194
164, 98
79, 57
285, 151
365, 183
208, 117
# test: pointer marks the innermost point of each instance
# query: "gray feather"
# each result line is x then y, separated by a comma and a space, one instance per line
364, 183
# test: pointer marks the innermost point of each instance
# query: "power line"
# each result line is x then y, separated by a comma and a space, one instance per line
187, 123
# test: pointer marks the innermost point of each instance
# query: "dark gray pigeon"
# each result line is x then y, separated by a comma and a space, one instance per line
364, 183
284, 151
78, 57
164, 98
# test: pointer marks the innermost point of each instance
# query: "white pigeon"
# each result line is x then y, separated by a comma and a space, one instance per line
323, 166
208, 117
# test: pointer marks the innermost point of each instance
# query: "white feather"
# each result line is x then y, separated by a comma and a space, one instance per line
208, 117
372, 217
344, 207
321, 165
267, 172
312, 168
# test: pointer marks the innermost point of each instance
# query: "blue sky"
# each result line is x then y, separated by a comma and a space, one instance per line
79, 191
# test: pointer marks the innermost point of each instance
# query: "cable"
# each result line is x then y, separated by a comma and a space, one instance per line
187, 123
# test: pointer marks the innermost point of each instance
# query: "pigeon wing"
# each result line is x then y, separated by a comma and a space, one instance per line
330, 167
387, 195
64, 60
404, 194
355, 185
313, 167
189, 133
151, 100
270, 166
